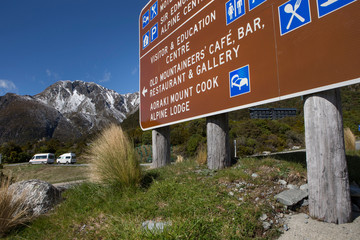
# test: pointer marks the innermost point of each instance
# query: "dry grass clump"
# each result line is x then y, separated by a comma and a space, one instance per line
12, 210
113, 159
201, 156
349, 139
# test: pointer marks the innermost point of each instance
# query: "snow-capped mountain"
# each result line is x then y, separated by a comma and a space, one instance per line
75, 107
91, 102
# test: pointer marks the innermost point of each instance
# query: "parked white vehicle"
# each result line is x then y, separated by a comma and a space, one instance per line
66, 158
42, 158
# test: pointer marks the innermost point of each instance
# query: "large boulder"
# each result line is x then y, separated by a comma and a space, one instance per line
39, 196
291, 197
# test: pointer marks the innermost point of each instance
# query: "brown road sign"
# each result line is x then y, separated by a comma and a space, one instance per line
204, 57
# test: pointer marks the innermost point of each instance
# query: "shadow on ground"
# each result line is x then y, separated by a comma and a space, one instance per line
353, 161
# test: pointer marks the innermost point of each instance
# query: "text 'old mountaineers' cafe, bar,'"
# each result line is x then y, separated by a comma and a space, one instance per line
204, 57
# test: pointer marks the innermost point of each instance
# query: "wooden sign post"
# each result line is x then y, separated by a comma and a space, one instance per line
329, 195
218, 147
161, 147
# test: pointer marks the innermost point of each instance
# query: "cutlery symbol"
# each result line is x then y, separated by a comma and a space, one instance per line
290, 9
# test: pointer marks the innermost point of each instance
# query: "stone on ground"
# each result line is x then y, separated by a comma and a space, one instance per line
39, 196
291, 197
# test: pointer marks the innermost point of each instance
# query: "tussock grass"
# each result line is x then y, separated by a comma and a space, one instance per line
349, 139
113, 159
12, 210
201, 157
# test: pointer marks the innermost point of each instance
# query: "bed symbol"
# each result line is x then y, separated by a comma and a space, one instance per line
239, 81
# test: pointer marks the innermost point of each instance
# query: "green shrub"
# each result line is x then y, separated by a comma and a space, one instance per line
194, 142
147, 138
113, 159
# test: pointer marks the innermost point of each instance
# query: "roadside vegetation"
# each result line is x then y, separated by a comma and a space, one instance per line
191, 201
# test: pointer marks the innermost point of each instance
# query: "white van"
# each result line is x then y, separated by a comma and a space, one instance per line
66, 158
43, 158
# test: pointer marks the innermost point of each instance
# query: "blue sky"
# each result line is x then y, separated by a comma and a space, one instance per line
44, 41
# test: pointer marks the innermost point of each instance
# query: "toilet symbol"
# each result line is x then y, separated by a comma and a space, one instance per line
231, 11
234, 10
238, 6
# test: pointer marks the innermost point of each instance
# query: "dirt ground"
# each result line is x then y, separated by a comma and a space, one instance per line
301, 227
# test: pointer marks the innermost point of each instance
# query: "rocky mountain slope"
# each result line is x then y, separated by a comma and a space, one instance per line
65, 110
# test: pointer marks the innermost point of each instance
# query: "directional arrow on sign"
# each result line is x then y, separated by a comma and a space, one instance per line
144, 91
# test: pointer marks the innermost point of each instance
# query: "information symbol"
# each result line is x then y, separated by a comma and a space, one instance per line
154, 32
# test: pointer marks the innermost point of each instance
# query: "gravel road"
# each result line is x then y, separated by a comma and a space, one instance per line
301, 227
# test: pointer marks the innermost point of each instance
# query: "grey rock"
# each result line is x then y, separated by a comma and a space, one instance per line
305, 188
282, 182
231, 194
155, 226
305, 203
291, 186
266, 225
291, 197
40, 197
263, 217
254, 175
286, 228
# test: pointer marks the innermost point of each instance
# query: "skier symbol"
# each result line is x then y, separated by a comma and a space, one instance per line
326, 7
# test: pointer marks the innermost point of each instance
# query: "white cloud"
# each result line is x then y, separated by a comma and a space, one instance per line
106, 77
7, 86
134, 71
50, 74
